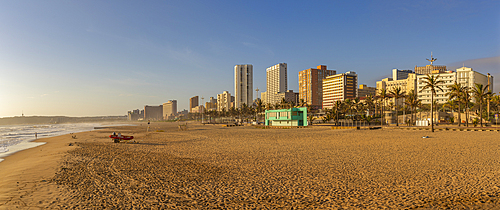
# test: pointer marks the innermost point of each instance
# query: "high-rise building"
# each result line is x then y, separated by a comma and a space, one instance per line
400, 74
211, 104
289, 96
153, 112
468, 77
198, 109
135, 115
276, 81
243, 84
364, 91
223, 101
407, 85
339, 87
311, 85
193, 102
169, 109
464, 76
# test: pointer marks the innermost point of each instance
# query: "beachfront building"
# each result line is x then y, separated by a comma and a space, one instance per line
464, 76
276, 82
198, 109
243, 85
135, 115
211, 104
287, 117
153, 112
339, 87
311, 85
193, 102
364, 91
400, 74
406, 85
263, 97
169, 109
223, 101
468, 77
289, 96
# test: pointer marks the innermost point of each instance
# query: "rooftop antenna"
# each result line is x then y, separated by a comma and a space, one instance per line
432, 59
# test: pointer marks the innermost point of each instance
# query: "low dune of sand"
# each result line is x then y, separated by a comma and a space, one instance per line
210, 166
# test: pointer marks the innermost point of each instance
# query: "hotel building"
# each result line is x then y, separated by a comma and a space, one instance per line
464, 76
223, 101
407, 85
153, 112
276, 82
212, 104
289, 96
193, 102
400, 74
364, 91
243, 85
339, 87
169, 109
311, 85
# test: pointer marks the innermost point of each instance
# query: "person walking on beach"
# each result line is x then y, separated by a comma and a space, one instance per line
36, 135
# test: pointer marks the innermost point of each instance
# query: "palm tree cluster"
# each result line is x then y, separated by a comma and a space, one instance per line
374, 106
460, 100
247, 113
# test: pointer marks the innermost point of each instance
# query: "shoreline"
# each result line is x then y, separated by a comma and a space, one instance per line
31, 169
33, 143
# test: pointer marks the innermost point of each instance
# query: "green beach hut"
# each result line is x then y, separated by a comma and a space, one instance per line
287, 117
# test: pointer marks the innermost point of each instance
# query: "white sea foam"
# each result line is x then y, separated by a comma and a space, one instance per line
14, 138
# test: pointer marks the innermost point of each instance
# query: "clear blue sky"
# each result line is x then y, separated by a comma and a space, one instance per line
88, 58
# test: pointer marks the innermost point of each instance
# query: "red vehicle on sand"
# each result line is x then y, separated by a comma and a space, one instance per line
117, 138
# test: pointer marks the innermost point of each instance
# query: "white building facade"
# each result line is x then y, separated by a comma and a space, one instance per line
276, 82
223, 101
169, 109
464, 76
243, 85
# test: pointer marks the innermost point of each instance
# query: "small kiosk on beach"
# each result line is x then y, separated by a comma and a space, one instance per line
287, 117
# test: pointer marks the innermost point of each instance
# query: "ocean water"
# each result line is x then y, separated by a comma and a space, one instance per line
14, 138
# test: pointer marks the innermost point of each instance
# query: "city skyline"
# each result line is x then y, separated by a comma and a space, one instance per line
107, 58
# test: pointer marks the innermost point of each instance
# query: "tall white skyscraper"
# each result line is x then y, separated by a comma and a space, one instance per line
276, 82
243, 85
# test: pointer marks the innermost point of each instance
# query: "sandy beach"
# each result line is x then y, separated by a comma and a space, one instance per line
210, 166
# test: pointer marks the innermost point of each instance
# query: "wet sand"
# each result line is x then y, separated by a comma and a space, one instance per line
210, 166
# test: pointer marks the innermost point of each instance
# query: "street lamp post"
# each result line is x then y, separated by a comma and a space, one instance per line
256, 111
202, 112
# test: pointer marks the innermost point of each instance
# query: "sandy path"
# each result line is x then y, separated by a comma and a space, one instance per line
243, 167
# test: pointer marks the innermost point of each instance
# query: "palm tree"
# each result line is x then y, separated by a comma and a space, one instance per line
412, 101
348, 106
383, 95
284, 103
302, 103
432, 83
397, 93
456, 91
369, 103
466, 98
259, 106
336, 107
480, 92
